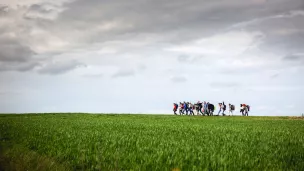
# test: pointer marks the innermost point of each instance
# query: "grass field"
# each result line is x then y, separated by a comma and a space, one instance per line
150, 142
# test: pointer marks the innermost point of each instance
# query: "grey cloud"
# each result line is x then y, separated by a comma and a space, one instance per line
3, 9
93, 75
257, 21
294, 57
13, 51
192, 59
142, 67
123, 73
40, 8
239, 71
28, 67
44, 11
274, 75
15, 56
283, 32
294, 60
91, 21
282, 44
55, 68
183, 58
21, 67
179, 79
188, 19
224, 84
87, 22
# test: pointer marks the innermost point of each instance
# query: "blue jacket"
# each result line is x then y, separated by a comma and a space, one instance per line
185, 105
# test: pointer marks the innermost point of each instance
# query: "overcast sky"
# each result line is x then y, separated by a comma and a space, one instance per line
140, 56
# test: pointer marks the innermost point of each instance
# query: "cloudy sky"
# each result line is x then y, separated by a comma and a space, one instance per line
140, 56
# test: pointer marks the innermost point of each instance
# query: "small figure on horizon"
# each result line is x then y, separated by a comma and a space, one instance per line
175, 107
211, 109
185, 108
224, 108
244, 109
181, 108
200, 106
220, 106
231, 109
190, 108
205, 106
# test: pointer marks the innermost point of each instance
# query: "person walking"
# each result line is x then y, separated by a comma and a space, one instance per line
190, 108
223, 108
200, 107
181, 108
247, 108
220, 106
242, 109
211, 109
205, 108
175, 106
186, 108
231, 109
195, 108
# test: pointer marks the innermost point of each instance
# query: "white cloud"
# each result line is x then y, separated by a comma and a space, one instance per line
17, 3
286, 15
225, 44
55, 67
179, 79
124, 73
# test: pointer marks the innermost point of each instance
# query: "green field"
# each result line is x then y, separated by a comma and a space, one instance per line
150, 142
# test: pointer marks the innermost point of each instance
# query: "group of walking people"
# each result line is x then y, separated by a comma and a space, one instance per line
206, 108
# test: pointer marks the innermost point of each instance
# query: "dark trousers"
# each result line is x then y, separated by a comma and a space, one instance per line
200, 110
186, 109
191, 111
181, 112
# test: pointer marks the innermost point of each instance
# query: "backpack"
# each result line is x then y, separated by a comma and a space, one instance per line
232, 107
248, 107
224, 107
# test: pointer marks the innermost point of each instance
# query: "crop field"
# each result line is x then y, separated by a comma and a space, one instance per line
150, 142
